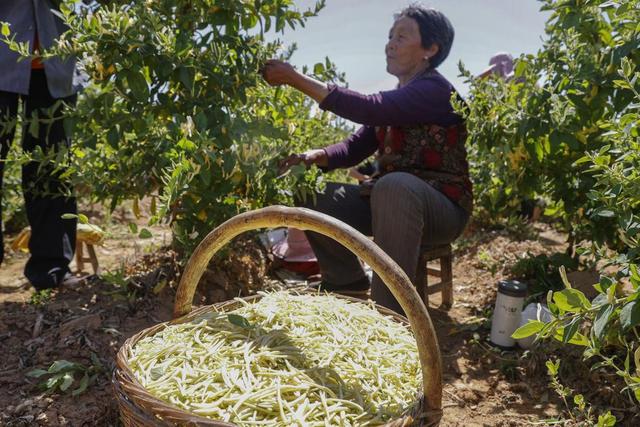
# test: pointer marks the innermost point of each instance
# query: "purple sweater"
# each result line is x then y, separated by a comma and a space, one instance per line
423, 101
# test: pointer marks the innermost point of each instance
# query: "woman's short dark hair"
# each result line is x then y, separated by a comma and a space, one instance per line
434, 28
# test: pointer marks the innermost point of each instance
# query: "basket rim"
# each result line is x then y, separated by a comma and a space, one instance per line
129, 386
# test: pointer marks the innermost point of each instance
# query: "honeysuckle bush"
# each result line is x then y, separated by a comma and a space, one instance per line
565, 128
608, 327
528, 133
176, 108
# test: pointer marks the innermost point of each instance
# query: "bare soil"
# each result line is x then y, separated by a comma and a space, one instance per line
482, 386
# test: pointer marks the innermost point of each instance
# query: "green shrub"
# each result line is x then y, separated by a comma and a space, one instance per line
177, 108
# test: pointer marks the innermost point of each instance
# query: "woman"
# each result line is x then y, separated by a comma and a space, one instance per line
422, 196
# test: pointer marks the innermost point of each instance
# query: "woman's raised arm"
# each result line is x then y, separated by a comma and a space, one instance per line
421, 101
278, 73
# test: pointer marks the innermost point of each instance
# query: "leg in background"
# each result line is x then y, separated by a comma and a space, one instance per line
342, 201
47, 196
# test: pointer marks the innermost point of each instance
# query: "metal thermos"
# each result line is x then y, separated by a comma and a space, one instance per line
507, 312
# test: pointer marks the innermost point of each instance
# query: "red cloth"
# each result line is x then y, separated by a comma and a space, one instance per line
36, 64
306, 268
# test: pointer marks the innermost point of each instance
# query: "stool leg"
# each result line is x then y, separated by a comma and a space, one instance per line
447, 281
79, 256
422, 281
93, 258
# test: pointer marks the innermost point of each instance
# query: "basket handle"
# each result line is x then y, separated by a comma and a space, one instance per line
390, 273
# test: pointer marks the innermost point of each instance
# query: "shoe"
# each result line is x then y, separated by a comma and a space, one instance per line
359, 287
72, 282
68, 281
49, 280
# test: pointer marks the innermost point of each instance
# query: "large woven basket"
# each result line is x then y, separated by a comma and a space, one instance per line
139, 408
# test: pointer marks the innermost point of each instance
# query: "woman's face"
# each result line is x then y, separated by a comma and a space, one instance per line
405, 54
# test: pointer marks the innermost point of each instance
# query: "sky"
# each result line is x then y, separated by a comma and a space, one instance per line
353, 33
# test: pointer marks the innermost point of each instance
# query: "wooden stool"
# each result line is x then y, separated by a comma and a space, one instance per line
81, 259
445, 273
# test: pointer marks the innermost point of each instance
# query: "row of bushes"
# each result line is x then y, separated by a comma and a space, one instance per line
566, 129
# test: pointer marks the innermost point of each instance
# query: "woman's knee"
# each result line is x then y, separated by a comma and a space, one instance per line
393, 187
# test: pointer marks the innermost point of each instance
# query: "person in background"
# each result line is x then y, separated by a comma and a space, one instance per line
38, 86
423, 195
500, 65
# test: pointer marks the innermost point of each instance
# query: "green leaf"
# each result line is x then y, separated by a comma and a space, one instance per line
53, 381
576, 339
60, 365
627, 67
630, 315
599, 300
37, 373
521, 67
578, 399
553, 367
571, 329
563, 275
238, 320
34, 126
137, 84
635, 277
528, 329
539, 150
84, 382
571, 300
318, 68
606, 420
82, 219
95, 360
187, 75
145, 234
133, 227
581, 160
70, 216
113, 137
552, 307
601, 320
67, 380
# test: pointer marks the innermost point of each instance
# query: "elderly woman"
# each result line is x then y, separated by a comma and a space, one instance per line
422, 196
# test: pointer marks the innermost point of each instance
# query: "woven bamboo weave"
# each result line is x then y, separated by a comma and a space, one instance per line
139, 408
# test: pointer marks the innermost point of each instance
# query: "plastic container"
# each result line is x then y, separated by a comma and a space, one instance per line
507, 312
533, 311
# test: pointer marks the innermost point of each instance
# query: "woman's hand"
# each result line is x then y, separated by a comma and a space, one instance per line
355, 173
278, 73
311, 157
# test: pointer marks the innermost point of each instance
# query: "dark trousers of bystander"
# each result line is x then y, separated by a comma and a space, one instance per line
47, 197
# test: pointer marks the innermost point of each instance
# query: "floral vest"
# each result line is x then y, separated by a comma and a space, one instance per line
433, 153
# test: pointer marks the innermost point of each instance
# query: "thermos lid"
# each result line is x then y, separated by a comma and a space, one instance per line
512, 288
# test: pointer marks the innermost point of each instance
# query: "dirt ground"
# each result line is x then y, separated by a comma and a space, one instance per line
482, 386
